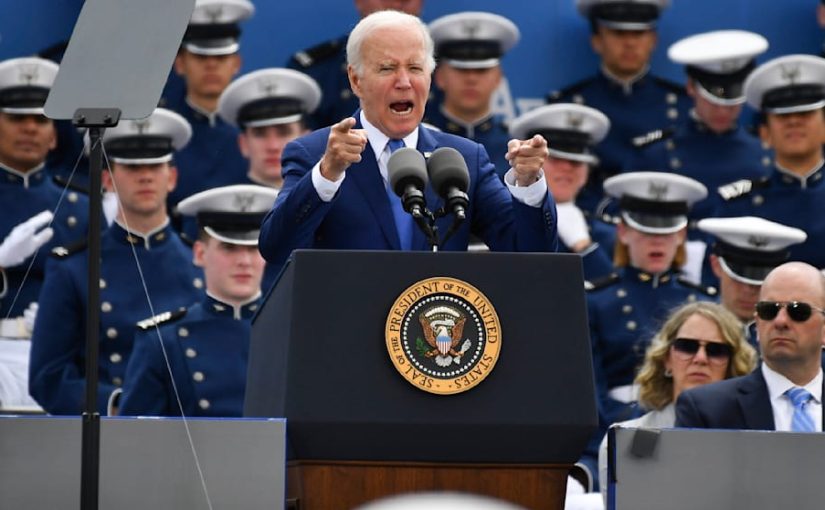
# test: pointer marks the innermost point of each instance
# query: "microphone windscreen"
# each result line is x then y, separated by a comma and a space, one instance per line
406, 166
447, 168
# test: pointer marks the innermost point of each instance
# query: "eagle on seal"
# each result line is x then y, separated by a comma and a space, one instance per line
443, 327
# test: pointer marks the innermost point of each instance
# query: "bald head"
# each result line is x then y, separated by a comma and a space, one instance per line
807, 276
791, 341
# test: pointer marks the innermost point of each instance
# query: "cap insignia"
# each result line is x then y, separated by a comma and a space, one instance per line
657, 191
28, 74
244, 201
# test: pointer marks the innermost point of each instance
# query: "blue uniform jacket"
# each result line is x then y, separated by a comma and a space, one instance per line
56, 373
649, 103
326, 63
22, 198
599, 261
625, 310
210, 159
692, 150
360, 215
208, 349
491, 132
785, 199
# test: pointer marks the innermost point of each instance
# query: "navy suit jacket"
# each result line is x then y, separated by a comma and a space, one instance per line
360, 216
738, 403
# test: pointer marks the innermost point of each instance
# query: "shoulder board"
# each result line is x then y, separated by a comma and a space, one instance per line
707, 290
600, 283
672, 86
323, 51
652, 137
188, 241
61, 252
741, 187
570, 89
160, 319
64, 183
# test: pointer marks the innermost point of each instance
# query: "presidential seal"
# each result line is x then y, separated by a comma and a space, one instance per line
443, 335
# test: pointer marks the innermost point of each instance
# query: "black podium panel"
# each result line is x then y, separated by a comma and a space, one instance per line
319, 358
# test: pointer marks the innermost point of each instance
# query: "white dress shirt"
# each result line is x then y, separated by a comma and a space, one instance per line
781, 404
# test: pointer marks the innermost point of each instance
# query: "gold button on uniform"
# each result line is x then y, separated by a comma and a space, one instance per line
106, 307
203, 403
117, 381
111, 333
198, 376
191, 353
183, 332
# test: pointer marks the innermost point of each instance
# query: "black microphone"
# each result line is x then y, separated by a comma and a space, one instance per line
450, 179
407, 173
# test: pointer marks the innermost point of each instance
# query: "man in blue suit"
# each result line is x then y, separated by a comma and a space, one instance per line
335, 192
785, 392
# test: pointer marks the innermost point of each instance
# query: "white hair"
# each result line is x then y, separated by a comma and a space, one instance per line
386, 19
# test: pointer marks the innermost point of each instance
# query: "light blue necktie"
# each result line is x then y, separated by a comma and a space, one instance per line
403, 220
801, 420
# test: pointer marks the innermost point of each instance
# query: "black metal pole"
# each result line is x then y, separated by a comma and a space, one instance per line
90, 467
96, 119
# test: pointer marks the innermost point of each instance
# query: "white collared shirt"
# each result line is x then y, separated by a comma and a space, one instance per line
782, 407
532, 195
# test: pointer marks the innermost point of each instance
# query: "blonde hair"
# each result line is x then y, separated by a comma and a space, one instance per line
655, 388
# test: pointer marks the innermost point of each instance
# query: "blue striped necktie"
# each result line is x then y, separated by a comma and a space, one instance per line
403, 220
801, 420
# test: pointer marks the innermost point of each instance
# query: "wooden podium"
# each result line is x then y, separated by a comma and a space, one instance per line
347, 484
358, 431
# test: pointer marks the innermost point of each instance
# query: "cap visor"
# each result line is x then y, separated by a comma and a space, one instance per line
654, 224
745, 273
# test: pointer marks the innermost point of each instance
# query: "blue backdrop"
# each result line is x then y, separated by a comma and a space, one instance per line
554, 49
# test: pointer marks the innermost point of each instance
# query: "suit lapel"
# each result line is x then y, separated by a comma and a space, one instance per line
755, 402
367, 178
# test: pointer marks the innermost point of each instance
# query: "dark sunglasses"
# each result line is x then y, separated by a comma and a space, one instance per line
713, 350
798, 311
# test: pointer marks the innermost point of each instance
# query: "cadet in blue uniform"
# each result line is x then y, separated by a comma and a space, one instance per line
571, 131
26, 190
635, 101
326, 63
207, 60
37, 214
270, 107
468, 48
625, 306
145, 266
709, 145
207, 345
745, 251
790, 93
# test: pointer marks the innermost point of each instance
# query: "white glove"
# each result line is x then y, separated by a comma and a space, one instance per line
29, 315
24, 239
572, 226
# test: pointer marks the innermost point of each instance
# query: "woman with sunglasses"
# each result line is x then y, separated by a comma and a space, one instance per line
627, 307
700, 343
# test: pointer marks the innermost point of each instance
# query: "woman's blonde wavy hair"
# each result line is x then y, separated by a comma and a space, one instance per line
655, 388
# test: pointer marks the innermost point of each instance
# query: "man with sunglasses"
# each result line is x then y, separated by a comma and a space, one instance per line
785, 393
746, 249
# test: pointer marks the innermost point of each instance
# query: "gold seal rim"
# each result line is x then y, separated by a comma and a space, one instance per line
489, 321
